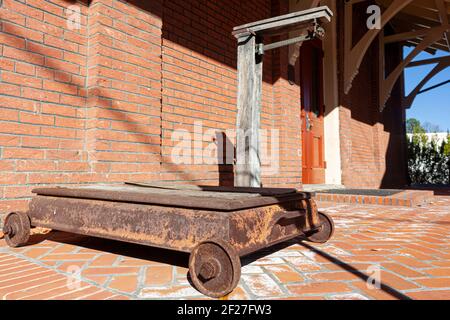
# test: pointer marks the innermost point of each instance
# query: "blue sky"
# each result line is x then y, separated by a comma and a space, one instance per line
432, 106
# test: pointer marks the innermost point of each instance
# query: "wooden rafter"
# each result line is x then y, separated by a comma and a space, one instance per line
443, 83
399, 37
401, 25
422, 15
429, 50
425, 62
442, 64
388, 84
423, 24
432, 48
354, 55
443, 16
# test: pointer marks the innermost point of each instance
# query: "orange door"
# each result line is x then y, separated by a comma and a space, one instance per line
312, 112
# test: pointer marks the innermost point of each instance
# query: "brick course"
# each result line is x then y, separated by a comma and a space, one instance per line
42, 103
373, 152
100, 104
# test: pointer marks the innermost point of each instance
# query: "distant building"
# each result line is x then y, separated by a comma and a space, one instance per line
438, 136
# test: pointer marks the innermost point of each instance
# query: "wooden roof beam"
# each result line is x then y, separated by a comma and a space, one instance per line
442, 8
354, 55
429, 50
428, 61
444, 63
416, 21
388, 84
409, 35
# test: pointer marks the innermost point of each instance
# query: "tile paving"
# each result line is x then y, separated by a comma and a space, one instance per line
408, 248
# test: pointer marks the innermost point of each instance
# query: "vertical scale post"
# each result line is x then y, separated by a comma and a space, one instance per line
250, 67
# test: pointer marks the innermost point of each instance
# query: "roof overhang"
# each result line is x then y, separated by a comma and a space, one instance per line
421, 24
418, 18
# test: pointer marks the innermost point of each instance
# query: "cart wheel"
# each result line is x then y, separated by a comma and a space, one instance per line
215, 268
325, 231
16, 229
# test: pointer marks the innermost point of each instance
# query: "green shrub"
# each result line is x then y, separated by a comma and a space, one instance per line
429, 161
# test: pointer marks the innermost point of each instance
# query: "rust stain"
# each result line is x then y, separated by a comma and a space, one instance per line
171, 228
216, 236
255, 227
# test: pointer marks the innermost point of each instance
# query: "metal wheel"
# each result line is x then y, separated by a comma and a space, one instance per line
215, 268
16, 229
325, 231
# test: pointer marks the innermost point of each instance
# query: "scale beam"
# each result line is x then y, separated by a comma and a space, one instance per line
284, 23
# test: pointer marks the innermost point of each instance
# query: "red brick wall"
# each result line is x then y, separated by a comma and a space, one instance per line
372, 142
200, 80
123, 126
42, 98
287, 114
99, 104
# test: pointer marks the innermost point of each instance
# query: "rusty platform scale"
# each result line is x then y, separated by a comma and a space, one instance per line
216, 225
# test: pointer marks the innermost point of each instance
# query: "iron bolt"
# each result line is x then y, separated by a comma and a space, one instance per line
208, 270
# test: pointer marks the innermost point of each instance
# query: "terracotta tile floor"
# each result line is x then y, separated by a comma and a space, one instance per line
407, 249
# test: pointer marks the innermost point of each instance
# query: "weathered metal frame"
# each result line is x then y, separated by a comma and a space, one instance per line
315, 32
176, 228
181, 218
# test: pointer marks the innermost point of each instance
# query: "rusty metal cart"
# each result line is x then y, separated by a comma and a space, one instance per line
216, 225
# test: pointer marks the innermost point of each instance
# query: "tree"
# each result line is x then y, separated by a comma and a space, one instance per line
428, 161
447, 145
413, 126
431, 127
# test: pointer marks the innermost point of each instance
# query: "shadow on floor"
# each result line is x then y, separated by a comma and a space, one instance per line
125, 249
137, 251
181, 259
384, 287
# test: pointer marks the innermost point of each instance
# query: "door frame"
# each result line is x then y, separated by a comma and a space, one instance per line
311, 155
